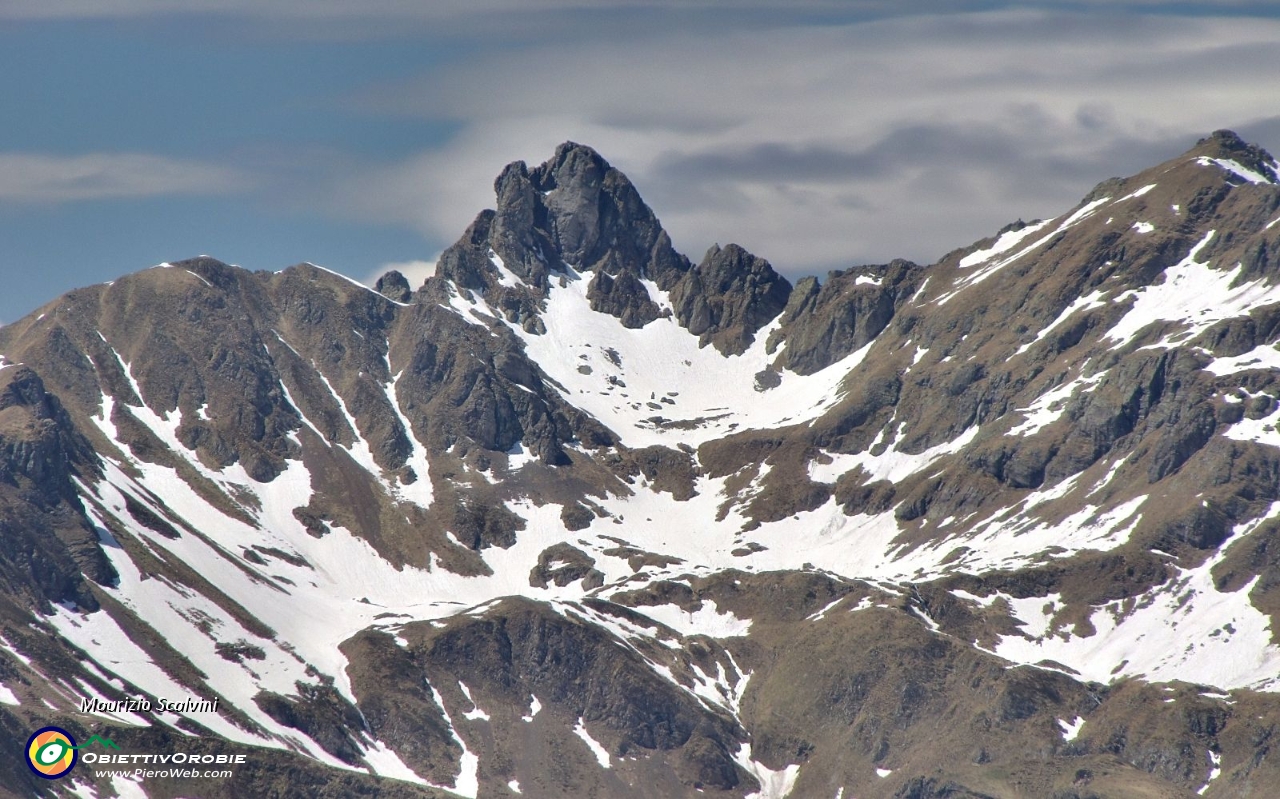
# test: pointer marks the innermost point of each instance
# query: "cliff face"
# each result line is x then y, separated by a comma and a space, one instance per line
578, 516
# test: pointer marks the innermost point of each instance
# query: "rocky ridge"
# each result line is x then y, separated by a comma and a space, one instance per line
579, 516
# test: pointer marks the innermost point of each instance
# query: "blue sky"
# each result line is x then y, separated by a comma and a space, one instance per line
817, 133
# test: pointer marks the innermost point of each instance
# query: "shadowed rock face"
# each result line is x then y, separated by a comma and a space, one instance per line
47, 546
728, 297
1003, 525
577, 669
824, 322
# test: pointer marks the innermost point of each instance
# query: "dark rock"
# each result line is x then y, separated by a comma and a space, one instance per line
624, 297
394, 286
727, 297
563, 564
47, 544
823, 323
479, 525
521, 648
320, 713
576, 516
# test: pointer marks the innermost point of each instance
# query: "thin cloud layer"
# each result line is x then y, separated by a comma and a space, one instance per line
29, 178
822, 146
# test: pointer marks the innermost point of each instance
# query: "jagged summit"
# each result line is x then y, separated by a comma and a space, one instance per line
576, 209
576, 216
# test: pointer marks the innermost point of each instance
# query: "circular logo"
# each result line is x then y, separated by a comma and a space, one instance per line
51, 752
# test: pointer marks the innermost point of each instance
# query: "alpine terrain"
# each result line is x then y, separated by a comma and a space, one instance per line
582, 517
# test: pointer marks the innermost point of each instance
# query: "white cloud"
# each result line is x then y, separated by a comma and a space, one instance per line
819, 146
39, 179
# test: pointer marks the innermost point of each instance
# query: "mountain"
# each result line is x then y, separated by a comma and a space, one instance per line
581, 517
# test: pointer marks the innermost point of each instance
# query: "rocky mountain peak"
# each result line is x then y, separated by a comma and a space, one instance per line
1226, 144
576, 211
574, 166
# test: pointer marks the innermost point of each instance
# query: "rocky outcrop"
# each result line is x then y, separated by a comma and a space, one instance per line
394, 286
562, 564
823, 323
47, 544
321, 714
624, 297
727, 297
521, 649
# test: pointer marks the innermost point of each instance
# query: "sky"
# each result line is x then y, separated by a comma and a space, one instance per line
362, 136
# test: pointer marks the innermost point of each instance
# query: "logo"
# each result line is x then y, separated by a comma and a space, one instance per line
51, 752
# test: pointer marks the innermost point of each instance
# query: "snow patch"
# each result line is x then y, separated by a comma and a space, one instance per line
1261, 357
1215, 770
601, 754
386, 763
656, 385
505, 276
1194, 295
467, 783
534, 707
518, 457
8, 647
420, 491
1085, 303
707, 620
1137, 193
891, 465
1259, 431
126, 788
475, 713
1007, 241
83, 790
1185, 629
1070, 729
355, 282
773, 784
1049, 406
1235, 168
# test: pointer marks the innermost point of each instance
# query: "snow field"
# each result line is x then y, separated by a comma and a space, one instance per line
1184, 630
1192, 294
632, 371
